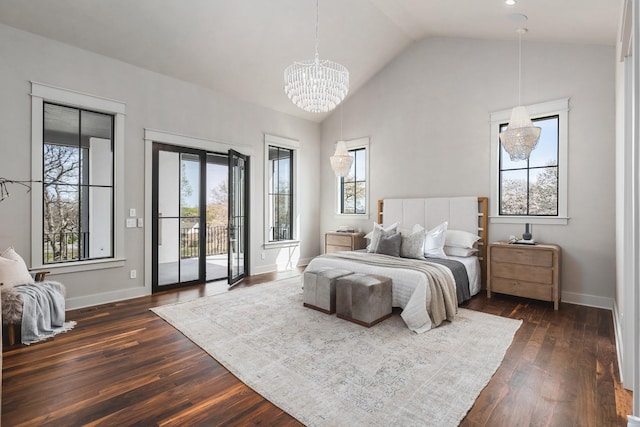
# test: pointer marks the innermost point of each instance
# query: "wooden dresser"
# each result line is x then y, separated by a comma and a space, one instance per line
335, 241
525, 271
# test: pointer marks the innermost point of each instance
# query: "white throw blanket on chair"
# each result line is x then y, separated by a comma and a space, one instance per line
43, 311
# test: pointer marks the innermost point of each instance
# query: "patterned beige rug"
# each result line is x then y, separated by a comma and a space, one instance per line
325, 371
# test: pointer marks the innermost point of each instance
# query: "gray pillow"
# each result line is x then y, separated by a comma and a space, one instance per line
378, 230
413, 245
389, 245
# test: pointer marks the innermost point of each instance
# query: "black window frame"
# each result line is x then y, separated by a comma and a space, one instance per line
286, 231
354, 153
528, 168
83, 189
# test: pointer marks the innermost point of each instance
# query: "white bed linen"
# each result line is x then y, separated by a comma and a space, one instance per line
408, 286
472, 265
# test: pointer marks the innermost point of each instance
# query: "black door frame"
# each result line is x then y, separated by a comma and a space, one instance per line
233, 155
202, 154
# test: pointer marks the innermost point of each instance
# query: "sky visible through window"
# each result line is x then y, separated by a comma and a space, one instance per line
530, 187
215, 173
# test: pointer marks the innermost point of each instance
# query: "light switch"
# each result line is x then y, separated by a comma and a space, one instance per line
140, 222
131, 222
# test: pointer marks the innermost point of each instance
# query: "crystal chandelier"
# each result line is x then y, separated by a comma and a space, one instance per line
341, 161
521, 136
316, 85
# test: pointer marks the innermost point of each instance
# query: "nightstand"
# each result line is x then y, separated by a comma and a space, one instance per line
336, 241
529, 271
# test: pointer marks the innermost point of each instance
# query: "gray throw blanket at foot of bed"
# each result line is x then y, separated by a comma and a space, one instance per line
43, 311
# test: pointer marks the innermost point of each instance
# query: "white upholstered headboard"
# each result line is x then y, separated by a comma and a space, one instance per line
462, 213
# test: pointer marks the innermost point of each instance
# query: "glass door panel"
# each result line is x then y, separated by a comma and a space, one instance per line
177, 199
168, 253
238, 216
189, 217
200, 216
168, 222
217, 214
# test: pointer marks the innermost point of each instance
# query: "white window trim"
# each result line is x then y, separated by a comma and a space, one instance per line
354, 144
559, 107
41, 93
294, 145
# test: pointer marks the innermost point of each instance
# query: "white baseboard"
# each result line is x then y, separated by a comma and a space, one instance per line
107, 297
264, 269
587, 300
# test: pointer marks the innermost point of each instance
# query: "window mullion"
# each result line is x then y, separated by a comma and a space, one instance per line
80, 176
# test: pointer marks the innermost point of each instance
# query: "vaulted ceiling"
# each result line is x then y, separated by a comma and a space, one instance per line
241, 47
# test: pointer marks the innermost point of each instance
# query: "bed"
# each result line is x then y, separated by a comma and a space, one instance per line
414, 281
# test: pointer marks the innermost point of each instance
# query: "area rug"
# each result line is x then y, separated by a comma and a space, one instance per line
326, 371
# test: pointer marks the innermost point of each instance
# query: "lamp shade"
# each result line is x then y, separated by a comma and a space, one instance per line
521, 136
341, 161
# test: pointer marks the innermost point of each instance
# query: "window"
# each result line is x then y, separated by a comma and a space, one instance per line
530, 187
77, 184
533, 190
280, 193
280, 182
352, 189
76, 213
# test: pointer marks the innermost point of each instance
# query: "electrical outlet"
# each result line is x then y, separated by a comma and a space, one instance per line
133, 274
263, 256
132, 212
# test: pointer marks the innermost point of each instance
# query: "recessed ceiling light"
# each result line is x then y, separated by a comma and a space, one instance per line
510, 2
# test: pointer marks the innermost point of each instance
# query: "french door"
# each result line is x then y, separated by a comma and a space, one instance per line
238, 216
195, 199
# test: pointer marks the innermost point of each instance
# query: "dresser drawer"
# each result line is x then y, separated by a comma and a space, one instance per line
525, 256
535, 274
522, 288
525, 271
337, 240
333, 248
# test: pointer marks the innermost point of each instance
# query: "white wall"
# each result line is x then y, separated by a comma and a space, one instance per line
427, 114
152, 101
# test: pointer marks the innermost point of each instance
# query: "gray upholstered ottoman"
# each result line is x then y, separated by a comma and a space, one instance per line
363, 299
320, 288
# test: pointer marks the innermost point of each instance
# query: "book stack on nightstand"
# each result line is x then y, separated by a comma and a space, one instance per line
336, 241
529, 271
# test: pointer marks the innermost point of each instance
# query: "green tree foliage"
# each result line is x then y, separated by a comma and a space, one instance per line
218, 205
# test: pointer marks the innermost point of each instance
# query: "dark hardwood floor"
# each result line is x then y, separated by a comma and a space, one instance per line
123, 365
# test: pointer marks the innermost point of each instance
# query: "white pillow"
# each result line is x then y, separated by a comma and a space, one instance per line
462, 252
13, 270
434, 241
374, 235
460, 239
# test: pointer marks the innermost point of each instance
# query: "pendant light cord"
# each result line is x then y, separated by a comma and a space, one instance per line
317, 28
341, 123
519, 68
520, 32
